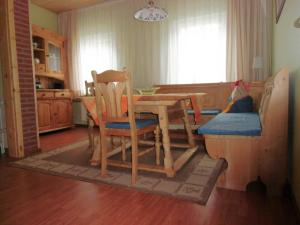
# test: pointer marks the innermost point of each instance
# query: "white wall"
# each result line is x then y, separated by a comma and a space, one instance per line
287, 54
43, 17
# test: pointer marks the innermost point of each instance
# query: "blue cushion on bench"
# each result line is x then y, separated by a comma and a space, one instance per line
124, 125
245, 124
207, 112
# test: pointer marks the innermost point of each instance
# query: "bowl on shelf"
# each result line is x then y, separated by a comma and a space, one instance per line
35, 45
147, 91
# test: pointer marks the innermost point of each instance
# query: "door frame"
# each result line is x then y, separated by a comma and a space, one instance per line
12, 97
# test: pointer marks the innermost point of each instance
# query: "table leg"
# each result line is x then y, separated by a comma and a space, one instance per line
164, 125
157, 145
91, 133
187, 125
96, 157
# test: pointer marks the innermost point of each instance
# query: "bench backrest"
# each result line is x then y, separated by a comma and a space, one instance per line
217, 94
273, 110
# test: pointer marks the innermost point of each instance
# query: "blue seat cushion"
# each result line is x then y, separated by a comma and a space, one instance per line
206, 112
244, 124
125, 125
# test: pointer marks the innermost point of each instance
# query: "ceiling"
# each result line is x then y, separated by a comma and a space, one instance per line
65, 5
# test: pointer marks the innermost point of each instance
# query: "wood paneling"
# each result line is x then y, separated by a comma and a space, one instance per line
60, 6
217, 94
12, 98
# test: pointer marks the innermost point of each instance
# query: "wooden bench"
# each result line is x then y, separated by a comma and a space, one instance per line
216, 97
253, 150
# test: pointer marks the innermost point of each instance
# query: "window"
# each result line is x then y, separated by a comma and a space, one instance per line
198, 53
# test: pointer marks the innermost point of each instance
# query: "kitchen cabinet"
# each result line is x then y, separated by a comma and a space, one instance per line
48, 53
54, 109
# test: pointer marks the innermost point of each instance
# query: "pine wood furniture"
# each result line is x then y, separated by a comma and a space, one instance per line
54, 108
264, 156
216, 95
54, 103
49, 54
90, 91
109, 87
168, 107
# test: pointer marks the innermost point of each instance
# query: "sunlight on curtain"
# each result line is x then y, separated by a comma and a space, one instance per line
188, 47
200, 53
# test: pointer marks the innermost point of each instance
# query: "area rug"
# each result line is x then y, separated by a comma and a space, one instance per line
194, 182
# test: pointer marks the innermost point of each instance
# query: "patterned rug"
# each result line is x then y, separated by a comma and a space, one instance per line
193, 182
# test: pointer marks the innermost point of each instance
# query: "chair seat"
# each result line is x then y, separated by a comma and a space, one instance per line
206, 112
245, 124
125, 125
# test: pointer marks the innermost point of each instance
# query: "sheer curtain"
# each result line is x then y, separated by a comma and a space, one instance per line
188, 47
249, 39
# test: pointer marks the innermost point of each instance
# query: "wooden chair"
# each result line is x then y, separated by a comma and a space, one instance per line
89, 88
110, 87
90, 91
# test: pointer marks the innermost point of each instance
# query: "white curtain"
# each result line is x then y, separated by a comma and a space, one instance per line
188, 47
249, 39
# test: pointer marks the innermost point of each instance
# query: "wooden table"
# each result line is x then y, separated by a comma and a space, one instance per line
168, 107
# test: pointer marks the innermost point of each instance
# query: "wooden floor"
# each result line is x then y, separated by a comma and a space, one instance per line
31, 198
60, 138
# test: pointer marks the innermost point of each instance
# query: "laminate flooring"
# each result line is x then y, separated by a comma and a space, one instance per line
32, 198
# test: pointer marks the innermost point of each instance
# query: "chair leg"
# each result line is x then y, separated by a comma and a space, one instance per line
123, 147
103, 145
91, 134
134, 160
187, 125
157, 145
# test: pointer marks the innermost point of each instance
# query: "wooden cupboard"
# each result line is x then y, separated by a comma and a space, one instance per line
54, 103
48, 54
54, 109
45, 115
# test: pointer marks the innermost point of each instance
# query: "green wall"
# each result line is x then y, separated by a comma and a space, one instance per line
286, 53
43, 17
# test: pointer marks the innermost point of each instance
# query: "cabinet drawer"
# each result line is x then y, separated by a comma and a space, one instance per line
45, 94
62, 94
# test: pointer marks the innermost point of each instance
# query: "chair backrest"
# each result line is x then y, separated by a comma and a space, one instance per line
109, 89
89, 89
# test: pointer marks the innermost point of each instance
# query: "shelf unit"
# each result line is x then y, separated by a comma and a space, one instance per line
49, 54
54, 102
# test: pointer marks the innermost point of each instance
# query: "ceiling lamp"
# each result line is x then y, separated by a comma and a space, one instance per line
151, 13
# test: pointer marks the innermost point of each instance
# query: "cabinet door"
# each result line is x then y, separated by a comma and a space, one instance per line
63, 113
54, 58
45, 116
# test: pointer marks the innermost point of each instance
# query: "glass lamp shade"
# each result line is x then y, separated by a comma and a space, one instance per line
151, 13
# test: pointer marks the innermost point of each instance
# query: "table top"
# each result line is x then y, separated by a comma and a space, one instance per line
158, 99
